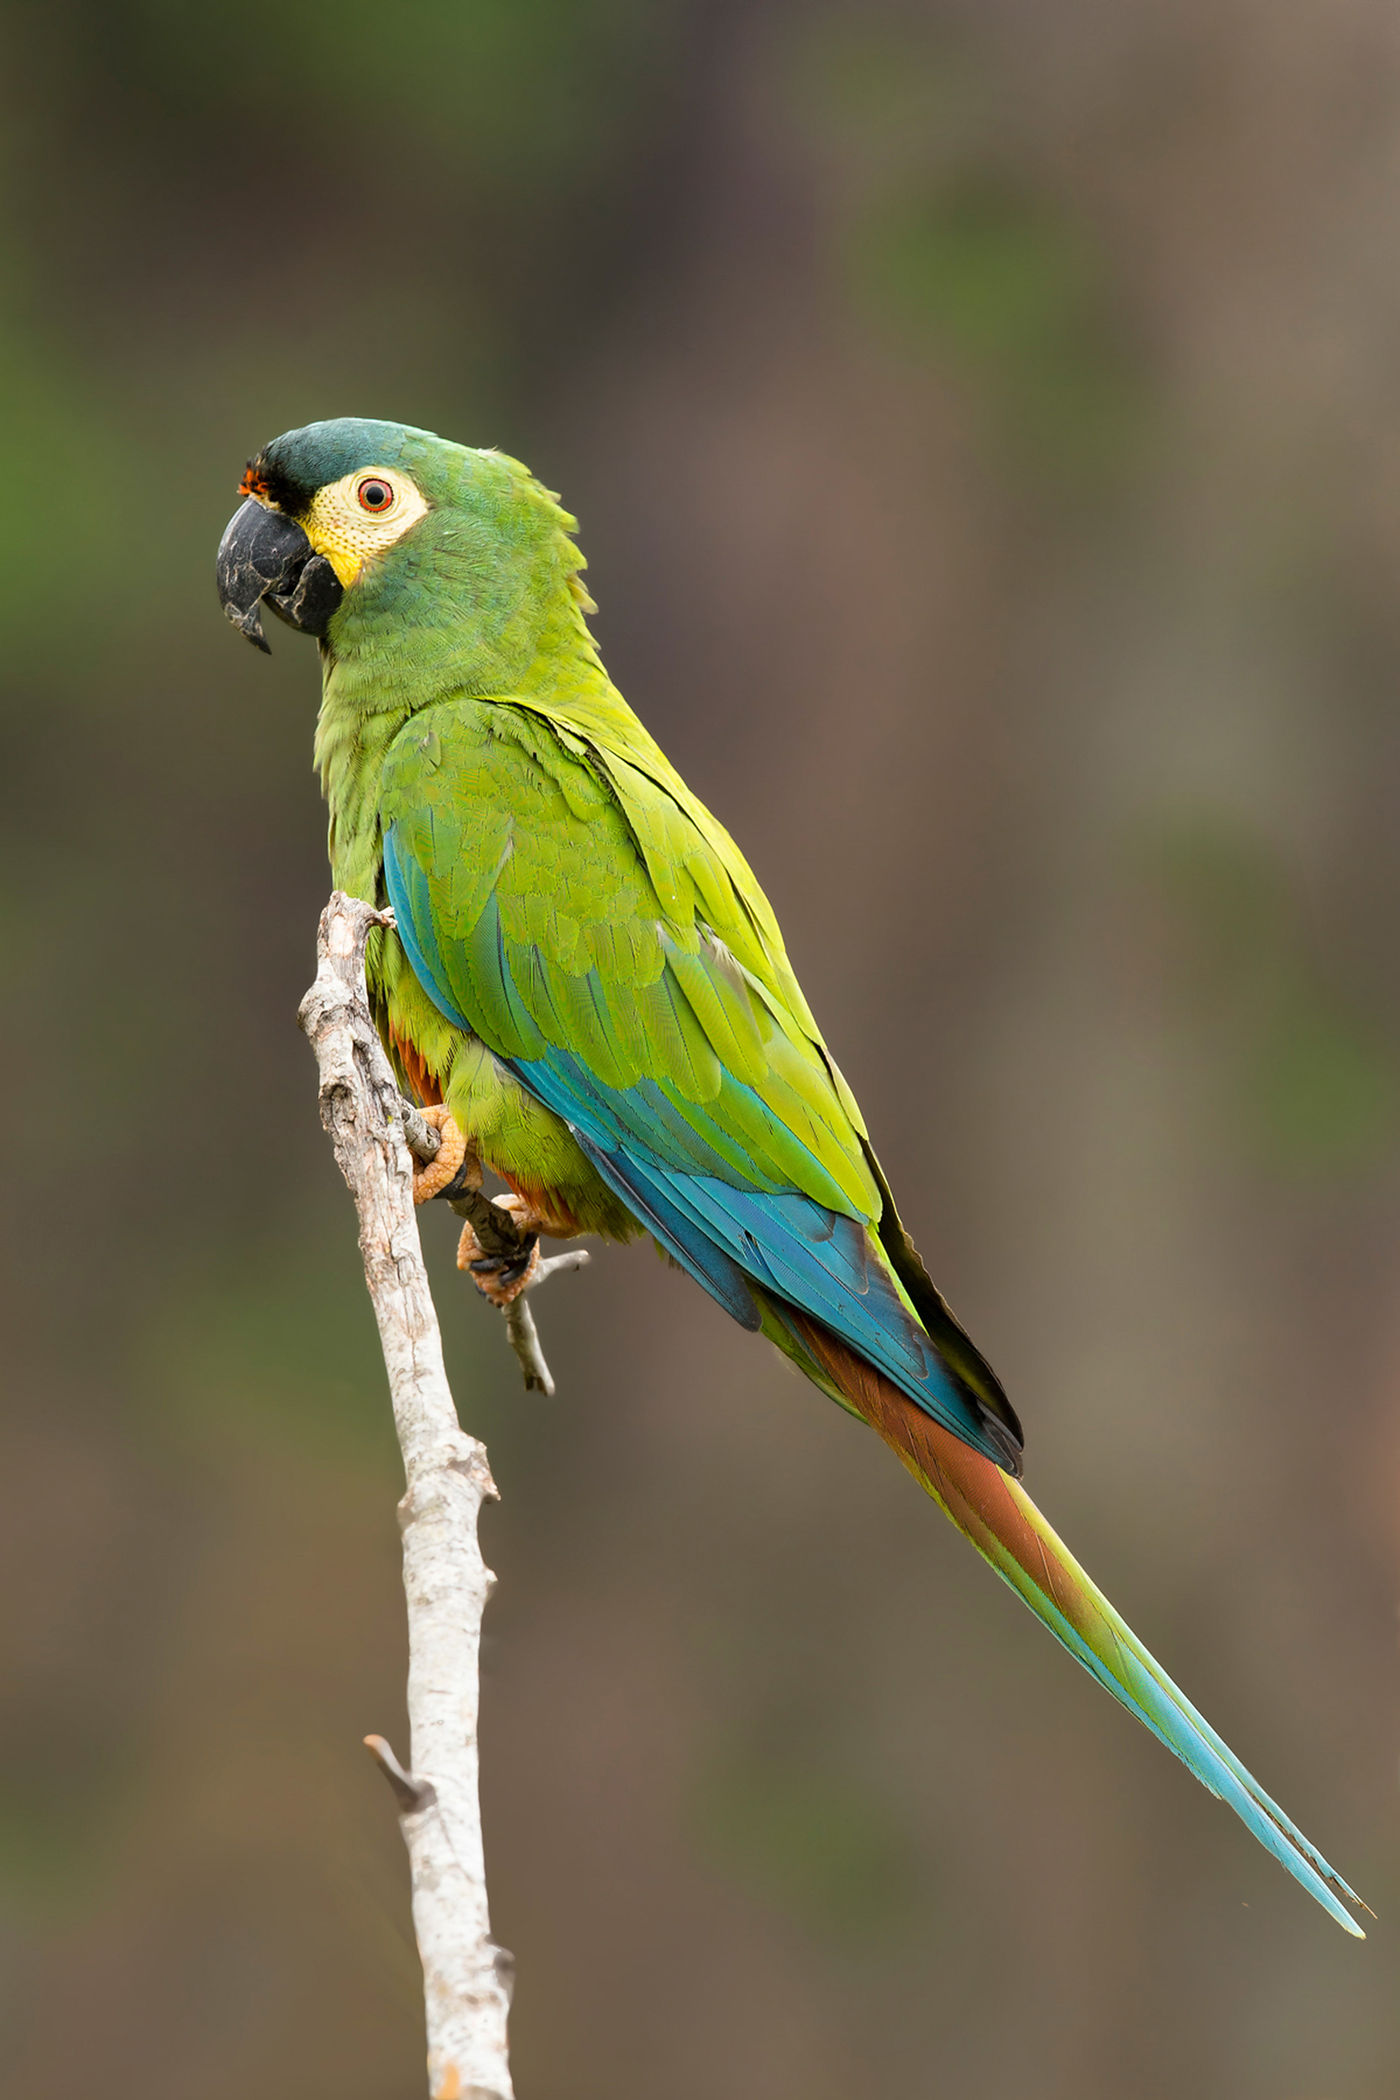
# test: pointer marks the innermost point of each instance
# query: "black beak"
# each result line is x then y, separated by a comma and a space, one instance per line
265, 555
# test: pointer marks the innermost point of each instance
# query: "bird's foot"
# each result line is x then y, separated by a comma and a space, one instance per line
501, 1276
454, 1169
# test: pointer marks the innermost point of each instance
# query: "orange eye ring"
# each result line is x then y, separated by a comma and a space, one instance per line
374, 494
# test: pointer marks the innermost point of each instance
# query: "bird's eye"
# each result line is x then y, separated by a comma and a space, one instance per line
374, 494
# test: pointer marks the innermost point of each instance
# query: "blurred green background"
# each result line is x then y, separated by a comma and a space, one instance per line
983, 419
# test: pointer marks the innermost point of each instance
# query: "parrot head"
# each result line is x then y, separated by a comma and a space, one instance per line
355, 530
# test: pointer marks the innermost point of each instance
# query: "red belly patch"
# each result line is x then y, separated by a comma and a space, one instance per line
423, 1082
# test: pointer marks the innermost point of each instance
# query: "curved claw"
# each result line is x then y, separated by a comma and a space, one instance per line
502, 1277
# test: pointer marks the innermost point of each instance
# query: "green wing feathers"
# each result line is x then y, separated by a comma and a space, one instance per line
624, 937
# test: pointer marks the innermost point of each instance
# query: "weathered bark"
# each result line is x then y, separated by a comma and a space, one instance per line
465, 1976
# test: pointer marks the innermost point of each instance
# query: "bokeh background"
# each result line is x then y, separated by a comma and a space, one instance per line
983, 419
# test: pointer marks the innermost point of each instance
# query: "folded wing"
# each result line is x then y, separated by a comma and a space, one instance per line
569, 910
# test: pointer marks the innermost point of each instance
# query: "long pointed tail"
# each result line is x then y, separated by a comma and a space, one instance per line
1008, 1530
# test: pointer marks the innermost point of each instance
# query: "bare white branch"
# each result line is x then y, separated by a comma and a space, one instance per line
520, 1322
465, 1976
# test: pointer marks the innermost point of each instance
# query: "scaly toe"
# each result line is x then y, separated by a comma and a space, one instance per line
499, 1277
528, 1222
454, 1166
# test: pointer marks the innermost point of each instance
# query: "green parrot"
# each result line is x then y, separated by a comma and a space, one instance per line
587, 989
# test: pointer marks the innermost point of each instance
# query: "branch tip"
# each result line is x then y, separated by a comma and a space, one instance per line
410, 1794
419, 1135
556, 1264
524, 1339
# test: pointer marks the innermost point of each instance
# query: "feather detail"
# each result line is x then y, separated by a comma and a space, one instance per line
422, 1083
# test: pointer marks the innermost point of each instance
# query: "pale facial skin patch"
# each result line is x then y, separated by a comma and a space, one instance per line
352, 520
